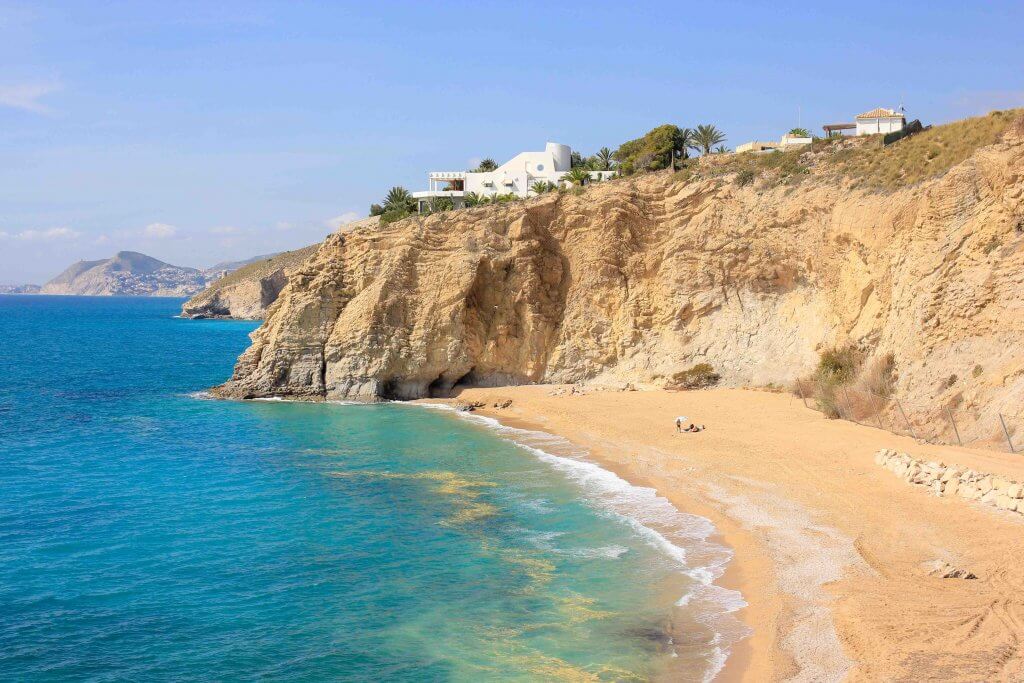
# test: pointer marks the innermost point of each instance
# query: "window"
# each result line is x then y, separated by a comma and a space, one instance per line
540, 167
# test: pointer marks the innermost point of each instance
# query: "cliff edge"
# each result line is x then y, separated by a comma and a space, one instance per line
246, 293
753, 265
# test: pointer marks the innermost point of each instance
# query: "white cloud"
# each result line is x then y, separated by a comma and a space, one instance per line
49, 235
159, 230
225, 230
343, 219
26, 96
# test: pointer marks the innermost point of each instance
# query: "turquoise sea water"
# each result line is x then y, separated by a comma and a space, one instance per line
149, 533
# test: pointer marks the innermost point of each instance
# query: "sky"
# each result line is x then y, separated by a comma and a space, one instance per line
204, 132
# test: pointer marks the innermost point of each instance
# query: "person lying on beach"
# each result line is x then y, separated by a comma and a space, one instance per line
694, 428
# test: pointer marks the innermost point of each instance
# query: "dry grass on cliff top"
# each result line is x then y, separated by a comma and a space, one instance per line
261, 269
926, 155
863, 161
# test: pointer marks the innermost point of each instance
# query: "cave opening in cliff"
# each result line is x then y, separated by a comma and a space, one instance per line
445, 387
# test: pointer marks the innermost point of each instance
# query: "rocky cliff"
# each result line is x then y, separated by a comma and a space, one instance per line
246, 293
127, 273
754, 268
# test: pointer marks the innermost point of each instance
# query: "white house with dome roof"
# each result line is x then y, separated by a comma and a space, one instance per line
516, 176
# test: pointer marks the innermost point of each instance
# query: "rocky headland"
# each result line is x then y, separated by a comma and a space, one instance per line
246, 293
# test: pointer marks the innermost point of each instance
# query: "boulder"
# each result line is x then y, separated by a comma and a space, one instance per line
944, 570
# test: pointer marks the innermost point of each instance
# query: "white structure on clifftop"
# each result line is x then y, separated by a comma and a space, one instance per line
788, 141
515, 176
880, 121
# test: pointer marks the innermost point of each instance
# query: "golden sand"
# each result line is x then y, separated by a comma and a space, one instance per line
828, 545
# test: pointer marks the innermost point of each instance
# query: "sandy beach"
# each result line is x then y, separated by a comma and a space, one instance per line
829, 546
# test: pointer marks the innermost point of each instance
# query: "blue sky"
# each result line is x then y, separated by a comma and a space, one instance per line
201, 132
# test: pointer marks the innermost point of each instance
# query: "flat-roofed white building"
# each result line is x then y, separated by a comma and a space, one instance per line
516, 176
880, 120
788, 141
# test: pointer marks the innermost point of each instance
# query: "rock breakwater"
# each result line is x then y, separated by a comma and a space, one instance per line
951, 480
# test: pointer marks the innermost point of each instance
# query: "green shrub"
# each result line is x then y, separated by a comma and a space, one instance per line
700, 376
837, 366
393, 215
650, 153
744, 177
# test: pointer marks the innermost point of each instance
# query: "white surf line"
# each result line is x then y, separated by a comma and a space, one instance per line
640, 507
807, 556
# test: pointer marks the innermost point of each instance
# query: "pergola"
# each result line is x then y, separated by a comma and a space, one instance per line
837, 128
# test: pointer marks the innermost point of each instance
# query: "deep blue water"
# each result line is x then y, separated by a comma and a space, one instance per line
148, 533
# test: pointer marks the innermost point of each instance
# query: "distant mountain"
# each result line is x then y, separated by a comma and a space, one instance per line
127, 273
19, 289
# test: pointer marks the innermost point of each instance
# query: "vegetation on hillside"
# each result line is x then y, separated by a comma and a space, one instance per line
651, 152
261, 269
705, 137
920, 157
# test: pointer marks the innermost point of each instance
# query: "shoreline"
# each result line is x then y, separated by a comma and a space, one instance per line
520, 432
827, 546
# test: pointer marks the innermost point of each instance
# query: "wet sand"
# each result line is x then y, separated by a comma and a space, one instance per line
828, 545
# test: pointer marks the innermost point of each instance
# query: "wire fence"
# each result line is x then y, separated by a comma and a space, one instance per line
985, 428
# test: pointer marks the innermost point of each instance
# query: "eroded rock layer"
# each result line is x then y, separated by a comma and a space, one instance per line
636, 279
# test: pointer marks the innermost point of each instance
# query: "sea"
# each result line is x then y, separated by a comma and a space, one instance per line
149, 532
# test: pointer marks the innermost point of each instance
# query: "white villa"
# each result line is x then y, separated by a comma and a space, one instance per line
880, 121
787, 141
515, 176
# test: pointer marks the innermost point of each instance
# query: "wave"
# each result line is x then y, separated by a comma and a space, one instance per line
681, 537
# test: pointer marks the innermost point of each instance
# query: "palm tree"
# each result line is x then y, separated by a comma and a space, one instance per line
542, 186
604, 159
683, 141
486, 165
706, 137
472, 199
800, 133
721, 149
577, 176
398, 198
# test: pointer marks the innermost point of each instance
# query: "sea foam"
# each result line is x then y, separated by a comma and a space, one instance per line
681, 537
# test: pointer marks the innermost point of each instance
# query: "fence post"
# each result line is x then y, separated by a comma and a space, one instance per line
910, 427
878, 412
1009, 441
955, 430
848, 404
800, 390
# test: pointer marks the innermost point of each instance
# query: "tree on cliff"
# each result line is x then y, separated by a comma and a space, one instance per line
800, 133
706, 137
485, 166
654, 150
604, 159
397, 199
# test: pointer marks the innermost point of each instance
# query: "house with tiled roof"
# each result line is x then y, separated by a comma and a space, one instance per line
880, 120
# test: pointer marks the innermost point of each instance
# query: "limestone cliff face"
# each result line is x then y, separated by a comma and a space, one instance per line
636, 279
